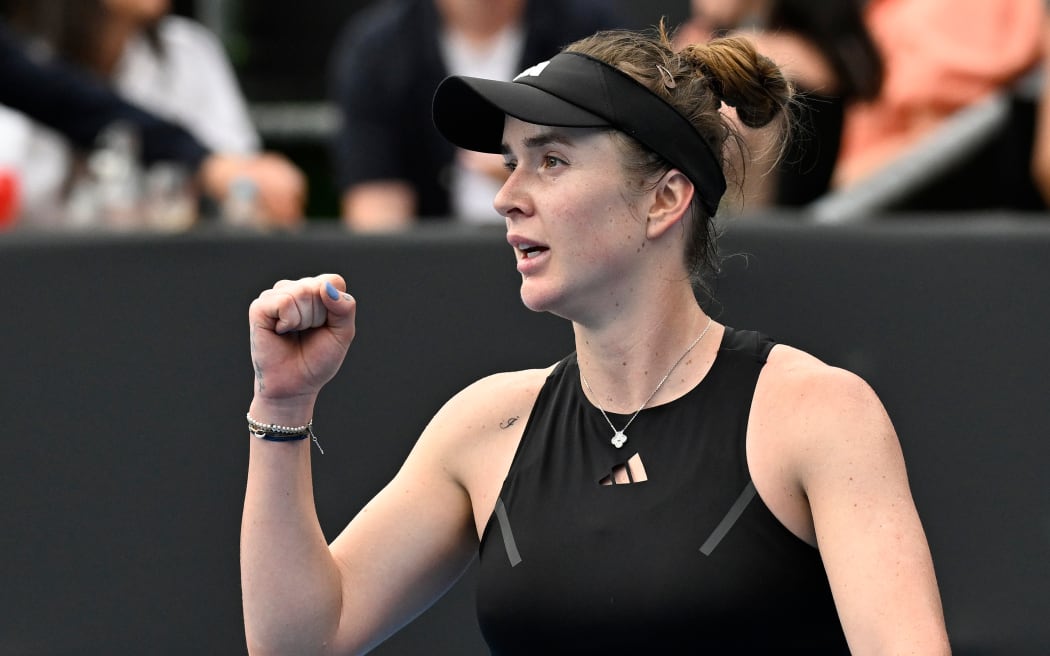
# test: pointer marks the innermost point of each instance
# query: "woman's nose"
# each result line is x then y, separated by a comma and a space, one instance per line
511, 198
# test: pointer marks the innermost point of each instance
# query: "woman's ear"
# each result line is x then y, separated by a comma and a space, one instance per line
671, 198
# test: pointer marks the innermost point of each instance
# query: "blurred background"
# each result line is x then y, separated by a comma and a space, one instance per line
907, 106
286, 78
981, 159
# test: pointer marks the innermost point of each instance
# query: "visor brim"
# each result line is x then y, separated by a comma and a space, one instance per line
470, 112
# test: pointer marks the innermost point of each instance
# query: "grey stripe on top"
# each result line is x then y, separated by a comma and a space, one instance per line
729, 520
508, 536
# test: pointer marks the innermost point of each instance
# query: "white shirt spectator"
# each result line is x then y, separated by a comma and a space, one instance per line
190, 81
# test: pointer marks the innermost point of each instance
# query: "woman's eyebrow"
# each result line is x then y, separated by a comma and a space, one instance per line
542, 139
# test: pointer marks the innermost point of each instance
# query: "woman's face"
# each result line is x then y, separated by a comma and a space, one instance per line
727, 13
139, 11
574, 223
465, 12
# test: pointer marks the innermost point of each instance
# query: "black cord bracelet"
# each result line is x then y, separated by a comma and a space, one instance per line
278, 433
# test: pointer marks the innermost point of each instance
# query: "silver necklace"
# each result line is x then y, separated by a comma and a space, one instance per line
619, 437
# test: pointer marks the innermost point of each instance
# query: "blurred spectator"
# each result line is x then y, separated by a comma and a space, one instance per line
940, 56
166, 64
392, 164
826, 50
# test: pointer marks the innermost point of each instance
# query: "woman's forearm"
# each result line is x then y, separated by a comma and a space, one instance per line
290, 583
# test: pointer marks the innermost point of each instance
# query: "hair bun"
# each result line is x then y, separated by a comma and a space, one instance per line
742, 78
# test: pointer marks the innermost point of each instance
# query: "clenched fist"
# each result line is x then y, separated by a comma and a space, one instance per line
300, 332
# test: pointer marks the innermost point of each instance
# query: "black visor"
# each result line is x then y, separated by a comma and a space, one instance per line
575, 90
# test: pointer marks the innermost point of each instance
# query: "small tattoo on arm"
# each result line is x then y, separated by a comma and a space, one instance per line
255, 363
507, 424
259, 376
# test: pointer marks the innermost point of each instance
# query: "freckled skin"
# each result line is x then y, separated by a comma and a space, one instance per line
568, 194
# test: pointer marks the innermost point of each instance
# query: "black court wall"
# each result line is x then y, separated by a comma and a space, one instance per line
125, 375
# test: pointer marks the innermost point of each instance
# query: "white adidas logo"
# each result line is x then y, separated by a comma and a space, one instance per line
532, 71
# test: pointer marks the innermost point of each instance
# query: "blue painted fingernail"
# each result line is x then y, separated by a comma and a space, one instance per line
333, 293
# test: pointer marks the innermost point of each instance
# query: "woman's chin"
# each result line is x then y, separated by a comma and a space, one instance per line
535, 299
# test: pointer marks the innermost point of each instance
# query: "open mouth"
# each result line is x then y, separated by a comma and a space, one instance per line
528, 250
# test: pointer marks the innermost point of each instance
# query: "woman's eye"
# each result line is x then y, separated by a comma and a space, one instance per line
509, 165
550, 161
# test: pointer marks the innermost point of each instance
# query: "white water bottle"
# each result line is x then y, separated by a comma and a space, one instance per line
241, 206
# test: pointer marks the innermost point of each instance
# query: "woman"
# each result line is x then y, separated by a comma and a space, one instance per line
167, 64
940, 56
69, 102
673, 486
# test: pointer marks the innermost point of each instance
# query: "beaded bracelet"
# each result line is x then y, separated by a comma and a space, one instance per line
278, 433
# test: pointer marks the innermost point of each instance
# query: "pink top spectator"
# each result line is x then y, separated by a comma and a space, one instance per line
939, 56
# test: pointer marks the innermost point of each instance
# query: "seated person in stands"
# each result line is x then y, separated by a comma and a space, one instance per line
392, 165
940, 56
166, 64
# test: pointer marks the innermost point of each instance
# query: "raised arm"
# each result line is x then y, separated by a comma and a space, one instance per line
401, 552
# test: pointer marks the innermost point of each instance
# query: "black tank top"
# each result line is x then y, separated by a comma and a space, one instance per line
688, 561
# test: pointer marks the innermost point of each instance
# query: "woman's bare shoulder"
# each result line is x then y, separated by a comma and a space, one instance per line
814, 405
490, 402
505, 387
803, 377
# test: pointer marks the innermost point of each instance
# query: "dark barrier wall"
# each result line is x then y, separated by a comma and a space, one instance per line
125, 378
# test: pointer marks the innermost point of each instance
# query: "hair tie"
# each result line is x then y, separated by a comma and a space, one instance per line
714, 82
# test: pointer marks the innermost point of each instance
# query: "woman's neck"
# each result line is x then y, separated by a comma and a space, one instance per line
626, 359
114, 37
